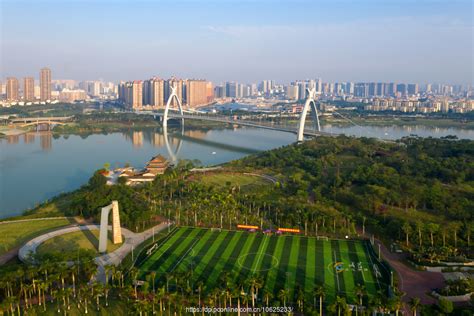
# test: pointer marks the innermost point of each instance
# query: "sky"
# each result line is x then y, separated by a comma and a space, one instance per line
247, 41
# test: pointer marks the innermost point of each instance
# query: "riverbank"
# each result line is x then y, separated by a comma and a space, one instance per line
403, 121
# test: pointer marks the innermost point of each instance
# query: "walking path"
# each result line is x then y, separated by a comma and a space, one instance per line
12, 253
36, 219
413, 282
132, 240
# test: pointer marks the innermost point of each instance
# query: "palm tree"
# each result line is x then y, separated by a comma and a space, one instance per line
283, 296
68, 292
134, 274
359, 292
153, 277
396, 304
255, 283
407, 230
161, 294
300, 298
340, 304
84, 293
414, 304
319, 291
432, 228
97, 290
267, 295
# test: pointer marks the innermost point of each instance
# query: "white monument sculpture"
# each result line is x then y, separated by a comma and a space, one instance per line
104, 223
310, 101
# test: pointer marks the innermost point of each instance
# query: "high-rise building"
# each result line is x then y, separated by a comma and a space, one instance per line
402, 89
231, 89
267, 86
428, 88
28, 89
361, 89
157, 92
301, 90
390, 89
219, 91
147, 92
412, 88
196, 92
12, 89
380, 89
372, 89
253, 89
319, 85
93, 88
137, 94
210, 92
174, 82
45, 84
350, 88
131, 94
292, 92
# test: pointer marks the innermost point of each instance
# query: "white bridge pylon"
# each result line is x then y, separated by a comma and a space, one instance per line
167, 107
310, 101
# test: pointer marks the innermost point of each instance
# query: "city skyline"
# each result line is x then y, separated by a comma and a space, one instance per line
245, 41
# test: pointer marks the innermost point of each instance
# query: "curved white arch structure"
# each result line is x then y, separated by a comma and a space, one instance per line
310, 101
167, 107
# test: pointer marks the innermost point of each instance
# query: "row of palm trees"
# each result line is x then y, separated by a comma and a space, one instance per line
176, 196
59, 283
177, 289
63, 286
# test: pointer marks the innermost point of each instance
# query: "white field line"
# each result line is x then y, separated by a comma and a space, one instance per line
184, 255
260, 252
337, 274
370, 258
162, 251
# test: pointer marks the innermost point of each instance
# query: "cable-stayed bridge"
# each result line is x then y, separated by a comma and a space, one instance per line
300, 130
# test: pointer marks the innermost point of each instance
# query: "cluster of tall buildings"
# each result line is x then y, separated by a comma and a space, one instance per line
154, 93
29, 89
296, 90
423, 105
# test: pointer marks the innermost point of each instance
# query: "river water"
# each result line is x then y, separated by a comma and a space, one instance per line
37, 166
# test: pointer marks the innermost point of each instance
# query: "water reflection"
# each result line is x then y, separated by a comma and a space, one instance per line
46, 140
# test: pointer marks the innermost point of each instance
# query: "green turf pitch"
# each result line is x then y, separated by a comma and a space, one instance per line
287, 261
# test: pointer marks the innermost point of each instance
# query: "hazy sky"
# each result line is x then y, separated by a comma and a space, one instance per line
337, 40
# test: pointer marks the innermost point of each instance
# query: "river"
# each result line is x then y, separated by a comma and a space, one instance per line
37, 166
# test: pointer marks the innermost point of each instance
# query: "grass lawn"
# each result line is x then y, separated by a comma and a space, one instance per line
15, 234
54, 208
283, 262
222, 179
84, 239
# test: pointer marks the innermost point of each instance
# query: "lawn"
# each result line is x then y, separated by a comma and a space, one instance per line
283, 262
223, 179
15, 234
84, 239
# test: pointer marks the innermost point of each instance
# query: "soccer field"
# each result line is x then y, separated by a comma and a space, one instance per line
283, 262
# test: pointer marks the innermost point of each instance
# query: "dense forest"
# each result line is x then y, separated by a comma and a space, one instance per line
419, 189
